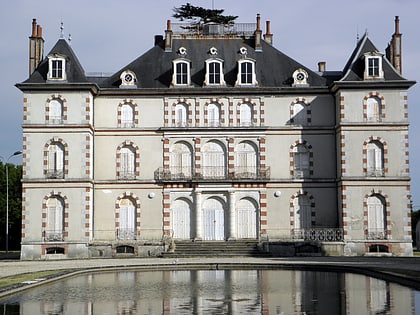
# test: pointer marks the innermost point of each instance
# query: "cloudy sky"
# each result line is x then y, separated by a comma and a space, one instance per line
106, 35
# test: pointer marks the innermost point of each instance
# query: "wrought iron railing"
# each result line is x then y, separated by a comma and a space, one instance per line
55, 120
375, 234
375, 172
53, 235
240, 29
126, 234
127, 175
318, 234
211, 173
54, 174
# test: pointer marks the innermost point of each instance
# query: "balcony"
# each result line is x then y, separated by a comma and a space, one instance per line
211, 174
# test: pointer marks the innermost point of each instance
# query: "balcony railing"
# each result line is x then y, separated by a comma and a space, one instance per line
375, 234
54, 174
375, 172
53, 235
126, 234
239, 29
209, 173
318, 234
127, 175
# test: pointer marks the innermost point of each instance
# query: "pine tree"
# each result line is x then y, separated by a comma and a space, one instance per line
198, 15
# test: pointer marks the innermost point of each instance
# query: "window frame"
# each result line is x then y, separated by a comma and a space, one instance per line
249, 74
210, 73
56, 73
373, 71
184, 75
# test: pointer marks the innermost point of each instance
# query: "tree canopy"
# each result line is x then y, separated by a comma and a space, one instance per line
200, 15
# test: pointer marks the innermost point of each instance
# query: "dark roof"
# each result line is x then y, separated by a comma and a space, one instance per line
354, 69
154, 68
74, 70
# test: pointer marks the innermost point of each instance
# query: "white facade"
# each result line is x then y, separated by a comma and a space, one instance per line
117, 166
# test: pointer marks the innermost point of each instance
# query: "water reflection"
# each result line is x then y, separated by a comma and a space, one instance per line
214, 292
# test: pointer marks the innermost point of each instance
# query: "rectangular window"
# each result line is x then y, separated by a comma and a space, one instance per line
246, 73
57, 69
373, 67
214, 73
182, 73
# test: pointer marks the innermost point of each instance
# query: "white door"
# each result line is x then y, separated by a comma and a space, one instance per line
246, 219
213, 220
127, 228
181, 219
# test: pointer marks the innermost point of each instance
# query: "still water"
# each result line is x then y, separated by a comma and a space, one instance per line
215, 292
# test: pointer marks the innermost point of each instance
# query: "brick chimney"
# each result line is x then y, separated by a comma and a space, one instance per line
258, 35
394, 49
268, 37
36, 47
168, 37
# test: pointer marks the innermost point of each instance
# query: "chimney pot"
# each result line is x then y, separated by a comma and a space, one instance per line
397, 25
38, 31
268, 26
168, 25
258, 22
33, 28
322, 66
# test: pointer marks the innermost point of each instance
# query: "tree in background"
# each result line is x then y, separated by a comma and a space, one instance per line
15, 206
198, 15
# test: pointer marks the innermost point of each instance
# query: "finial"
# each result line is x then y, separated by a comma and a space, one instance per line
69, 38
62, 30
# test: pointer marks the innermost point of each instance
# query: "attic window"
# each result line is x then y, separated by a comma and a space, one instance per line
373, 66
214, 72
56, 68
246, 72
128, 79
181, 73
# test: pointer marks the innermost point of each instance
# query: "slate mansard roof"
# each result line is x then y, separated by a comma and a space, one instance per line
154, 68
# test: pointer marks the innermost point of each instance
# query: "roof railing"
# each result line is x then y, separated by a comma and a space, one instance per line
212, 29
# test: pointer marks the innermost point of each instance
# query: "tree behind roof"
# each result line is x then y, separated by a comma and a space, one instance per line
200, 15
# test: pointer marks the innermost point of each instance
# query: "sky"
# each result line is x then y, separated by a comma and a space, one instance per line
106, 35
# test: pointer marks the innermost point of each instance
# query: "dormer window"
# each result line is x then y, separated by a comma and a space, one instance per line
214, 72
181, 74
56, 68
128, 79
246, 72
373, 66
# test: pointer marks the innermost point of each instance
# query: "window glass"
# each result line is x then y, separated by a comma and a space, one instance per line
181, 73
246, 73
214, 72
55, 161
57, 69
373, 67
127, 116
55, 219
245, 115
128, 163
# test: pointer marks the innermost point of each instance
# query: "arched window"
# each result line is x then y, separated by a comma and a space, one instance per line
181, 161
128, 163
302, 212
375, 158
214, 72
246, 72
55, 160
245, 115
127, 219
373, 109
214, 160
181, 73
55, 113
127, 116
376, 217
301, 161
181, 115
54, 230
245, 160
300, 116
213, 115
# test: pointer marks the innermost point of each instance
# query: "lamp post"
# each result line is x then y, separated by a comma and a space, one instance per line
7, 198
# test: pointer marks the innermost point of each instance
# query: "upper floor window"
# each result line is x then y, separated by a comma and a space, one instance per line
299, 114
245, 160
56, 67
181, 73
246, 72
127, 116
181, 160
301, 159
128, 162
213, 115
375, 158
373, 109
55, 160
373, 66
181, 115
214, 72
55, 112
214, 160
245, 115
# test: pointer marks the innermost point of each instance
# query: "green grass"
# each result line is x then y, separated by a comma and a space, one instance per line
7, 281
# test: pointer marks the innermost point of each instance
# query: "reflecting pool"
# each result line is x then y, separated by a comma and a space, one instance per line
215, 292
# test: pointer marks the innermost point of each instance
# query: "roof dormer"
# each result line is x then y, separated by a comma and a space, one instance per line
373, 66
56, 68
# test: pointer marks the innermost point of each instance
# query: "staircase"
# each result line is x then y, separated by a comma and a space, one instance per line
216, 249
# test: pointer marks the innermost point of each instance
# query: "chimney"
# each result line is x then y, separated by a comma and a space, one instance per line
268, 37
322, 66
394, 49
168, 37
36, 47
258, 35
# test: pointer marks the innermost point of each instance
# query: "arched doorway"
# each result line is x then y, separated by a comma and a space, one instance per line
181, 212
213, 220
246, 219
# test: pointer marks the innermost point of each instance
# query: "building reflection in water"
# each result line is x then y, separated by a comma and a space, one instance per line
214, 292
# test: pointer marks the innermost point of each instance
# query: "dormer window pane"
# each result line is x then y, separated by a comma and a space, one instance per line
181, 73
373, 67
57, 69
214, 73
246, 73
